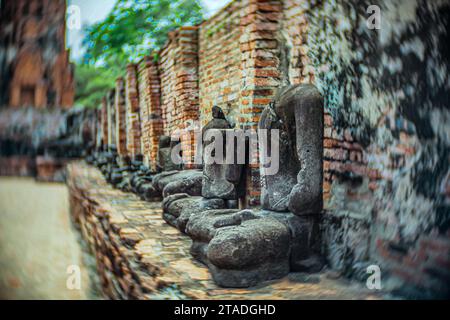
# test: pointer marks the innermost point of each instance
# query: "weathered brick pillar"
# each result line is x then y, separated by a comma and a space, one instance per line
295, 27
144, 96
121, 122
179, 87
132, 113
155, 114
260, 72
150, 109
111, 114
187, 86
98, 129
104, 123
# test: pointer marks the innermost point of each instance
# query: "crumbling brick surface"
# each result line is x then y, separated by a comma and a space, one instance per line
150, 110
34, 61
120, 112
179, 79
132, 112
111, 118
104, 121
178, 68
386, 156
220, 62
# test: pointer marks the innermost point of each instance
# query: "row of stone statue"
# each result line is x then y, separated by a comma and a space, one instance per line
243, 247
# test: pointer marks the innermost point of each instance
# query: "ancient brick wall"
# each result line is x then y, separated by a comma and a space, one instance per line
179, 79
386, 153
220, 62
144, 97
132, 112
262, 65
168, 84
294, 36
111, 114
178, 68
34, 63
120, 121
104, 122
35, 73
150, 110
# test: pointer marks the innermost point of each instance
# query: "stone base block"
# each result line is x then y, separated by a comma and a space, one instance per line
244, 248
240, 248
173, 182
179, 208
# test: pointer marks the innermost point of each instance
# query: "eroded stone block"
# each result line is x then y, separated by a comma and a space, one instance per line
240, 248
179, 208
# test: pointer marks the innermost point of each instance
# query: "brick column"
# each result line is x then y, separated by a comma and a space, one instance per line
121, 122
178, 68
132, 113
187, 87
150, 110
98, 129
144, 97
104, 123
261, 75
156, 129
111, 113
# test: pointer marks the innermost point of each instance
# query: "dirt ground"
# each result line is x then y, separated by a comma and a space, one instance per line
39, 248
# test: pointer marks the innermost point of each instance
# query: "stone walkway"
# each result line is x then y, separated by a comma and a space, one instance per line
141, 257
38, 242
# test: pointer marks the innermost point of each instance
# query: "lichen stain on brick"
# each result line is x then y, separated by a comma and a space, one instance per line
390, 88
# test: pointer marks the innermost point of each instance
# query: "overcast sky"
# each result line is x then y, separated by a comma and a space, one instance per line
96, 10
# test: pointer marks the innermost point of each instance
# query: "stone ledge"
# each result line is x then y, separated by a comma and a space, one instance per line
139, 256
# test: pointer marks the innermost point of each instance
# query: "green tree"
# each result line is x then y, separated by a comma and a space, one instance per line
133, 29
136, 27
92, 84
